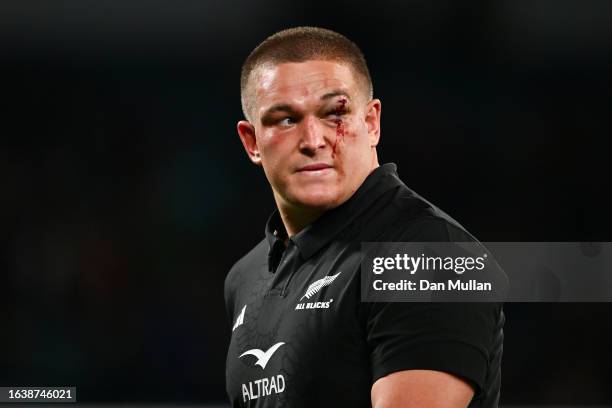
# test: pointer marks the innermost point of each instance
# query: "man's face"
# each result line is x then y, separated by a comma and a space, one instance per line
313, 131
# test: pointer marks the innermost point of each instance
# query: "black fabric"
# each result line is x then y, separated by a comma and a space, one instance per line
329, 347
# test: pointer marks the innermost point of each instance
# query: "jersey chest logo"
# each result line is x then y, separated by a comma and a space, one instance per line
313, 289
262, 356
318, 285
264, 386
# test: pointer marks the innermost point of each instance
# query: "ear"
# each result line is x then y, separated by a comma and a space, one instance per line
246, 131
372, 119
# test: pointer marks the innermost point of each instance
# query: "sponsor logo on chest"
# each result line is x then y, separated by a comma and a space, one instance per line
262, 387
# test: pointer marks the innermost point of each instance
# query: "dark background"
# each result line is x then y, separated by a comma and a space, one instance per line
126, 195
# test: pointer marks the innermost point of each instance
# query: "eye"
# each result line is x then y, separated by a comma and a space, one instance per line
337, 112
288, 121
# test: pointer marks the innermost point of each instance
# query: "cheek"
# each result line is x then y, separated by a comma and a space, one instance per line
275, 149
272, 144
347, 137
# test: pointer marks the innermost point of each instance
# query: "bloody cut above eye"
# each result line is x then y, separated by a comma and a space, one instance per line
341, 107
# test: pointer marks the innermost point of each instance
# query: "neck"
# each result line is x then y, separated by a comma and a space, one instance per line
296, 219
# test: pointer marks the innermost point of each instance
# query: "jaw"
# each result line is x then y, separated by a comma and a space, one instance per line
316, 196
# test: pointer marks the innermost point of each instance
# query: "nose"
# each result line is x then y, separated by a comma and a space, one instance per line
312, 136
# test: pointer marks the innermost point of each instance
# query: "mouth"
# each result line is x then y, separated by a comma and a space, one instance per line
314, 167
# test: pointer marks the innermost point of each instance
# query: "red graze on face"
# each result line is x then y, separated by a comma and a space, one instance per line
339, 125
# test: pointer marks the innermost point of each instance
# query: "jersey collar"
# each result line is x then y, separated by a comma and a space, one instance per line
318, 234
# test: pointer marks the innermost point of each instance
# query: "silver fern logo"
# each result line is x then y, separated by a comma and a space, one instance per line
318, 285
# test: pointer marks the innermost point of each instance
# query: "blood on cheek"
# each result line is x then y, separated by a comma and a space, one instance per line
340, 131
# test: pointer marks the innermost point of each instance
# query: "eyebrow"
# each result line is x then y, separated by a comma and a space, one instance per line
335, 93
279, 107
266, 117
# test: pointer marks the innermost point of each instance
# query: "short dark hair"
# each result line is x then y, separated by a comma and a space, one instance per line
301, 44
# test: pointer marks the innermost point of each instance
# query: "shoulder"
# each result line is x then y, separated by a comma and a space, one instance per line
417, 219
255, 258
239, 272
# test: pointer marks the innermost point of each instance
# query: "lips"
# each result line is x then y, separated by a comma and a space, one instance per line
315, 167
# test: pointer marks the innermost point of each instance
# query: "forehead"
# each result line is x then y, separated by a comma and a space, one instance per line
296, 83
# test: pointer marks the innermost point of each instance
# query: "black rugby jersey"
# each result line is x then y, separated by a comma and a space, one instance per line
301, 336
